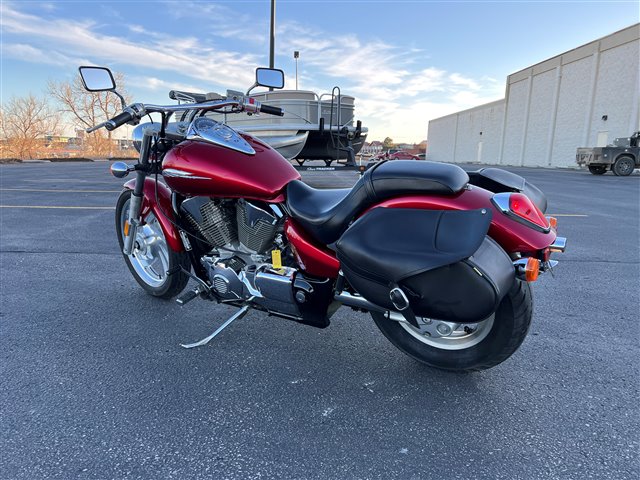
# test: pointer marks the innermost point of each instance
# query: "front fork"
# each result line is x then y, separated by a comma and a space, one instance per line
135, 204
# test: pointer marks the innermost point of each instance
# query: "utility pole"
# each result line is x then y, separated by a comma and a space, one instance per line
272, 44
272, 41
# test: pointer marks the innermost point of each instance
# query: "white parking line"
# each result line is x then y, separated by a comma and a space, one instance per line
58, 207
56, 190
566, 215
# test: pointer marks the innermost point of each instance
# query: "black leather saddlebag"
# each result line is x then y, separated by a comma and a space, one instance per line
443, 261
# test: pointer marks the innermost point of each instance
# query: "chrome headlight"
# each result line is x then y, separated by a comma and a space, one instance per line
136, 136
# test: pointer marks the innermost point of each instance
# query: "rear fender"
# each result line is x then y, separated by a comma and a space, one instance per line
161, 209
511, 235
497, 180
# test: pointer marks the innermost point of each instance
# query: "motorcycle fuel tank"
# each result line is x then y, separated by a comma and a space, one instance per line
197, 167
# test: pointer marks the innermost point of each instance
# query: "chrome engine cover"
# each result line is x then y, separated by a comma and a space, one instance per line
257, 228
240, 226
212, 219
262, 285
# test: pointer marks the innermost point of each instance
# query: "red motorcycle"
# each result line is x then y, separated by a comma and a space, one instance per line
441, 258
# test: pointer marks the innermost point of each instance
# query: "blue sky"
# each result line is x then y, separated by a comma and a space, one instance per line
405, 61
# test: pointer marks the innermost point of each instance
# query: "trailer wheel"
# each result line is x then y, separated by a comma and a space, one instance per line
597, 169
624, 166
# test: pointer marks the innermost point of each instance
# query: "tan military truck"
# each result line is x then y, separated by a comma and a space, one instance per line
621, 157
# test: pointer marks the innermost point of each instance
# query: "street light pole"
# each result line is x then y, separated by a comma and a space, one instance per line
296, 54
272, 43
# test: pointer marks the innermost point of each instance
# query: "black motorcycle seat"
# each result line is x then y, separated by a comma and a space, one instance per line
326, 213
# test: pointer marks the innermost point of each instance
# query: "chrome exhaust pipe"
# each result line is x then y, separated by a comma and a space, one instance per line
357, 301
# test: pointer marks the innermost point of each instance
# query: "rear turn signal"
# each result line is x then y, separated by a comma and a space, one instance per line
532, 269
553, 222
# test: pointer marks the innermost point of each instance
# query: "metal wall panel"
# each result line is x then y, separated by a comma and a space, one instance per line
551, 108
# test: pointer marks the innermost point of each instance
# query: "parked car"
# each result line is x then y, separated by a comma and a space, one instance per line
397, 155
401, 155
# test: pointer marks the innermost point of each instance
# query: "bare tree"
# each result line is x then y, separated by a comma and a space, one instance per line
87, 109
24, 123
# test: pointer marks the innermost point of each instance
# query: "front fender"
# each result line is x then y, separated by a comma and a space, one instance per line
161, 209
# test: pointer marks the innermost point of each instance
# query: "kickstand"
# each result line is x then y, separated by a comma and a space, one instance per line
239, 314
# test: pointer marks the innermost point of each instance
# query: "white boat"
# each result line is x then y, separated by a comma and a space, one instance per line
312, 128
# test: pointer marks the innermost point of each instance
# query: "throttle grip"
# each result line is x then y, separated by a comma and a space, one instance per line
272, 110
118, 120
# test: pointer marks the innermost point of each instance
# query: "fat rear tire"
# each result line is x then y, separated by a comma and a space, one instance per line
624, 166
510, 327
174, 282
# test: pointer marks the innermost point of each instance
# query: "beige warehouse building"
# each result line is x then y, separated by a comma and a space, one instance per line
584, 97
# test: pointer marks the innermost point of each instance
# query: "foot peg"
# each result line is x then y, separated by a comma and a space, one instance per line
187, 296
239, 314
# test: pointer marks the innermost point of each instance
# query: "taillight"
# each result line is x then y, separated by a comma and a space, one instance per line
519, 207
525, 208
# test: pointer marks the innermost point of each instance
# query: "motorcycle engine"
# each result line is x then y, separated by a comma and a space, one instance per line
241, 235
233, 224
212, 219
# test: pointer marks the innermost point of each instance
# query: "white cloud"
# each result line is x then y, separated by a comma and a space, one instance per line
458, 79
21, 51
185, 56
396, 89
157, 84
393, 98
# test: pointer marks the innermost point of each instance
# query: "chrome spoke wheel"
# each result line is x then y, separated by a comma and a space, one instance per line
150, 256
449, 335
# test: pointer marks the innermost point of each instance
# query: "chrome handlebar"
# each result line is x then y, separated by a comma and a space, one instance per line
138, 110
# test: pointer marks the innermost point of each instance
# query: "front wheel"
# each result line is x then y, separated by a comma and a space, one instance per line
624, 166
156, 267
465, 347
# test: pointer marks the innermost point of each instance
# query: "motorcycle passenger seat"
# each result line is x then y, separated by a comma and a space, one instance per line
326, 214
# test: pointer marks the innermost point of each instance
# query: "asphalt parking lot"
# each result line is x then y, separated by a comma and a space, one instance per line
93, 383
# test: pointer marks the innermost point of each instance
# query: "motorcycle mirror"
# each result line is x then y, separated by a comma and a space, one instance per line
97, 79
269, 77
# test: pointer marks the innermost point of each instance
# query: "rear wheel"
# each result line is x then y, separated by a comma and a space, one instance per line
156, 267
597, 169
624, 166
465, 347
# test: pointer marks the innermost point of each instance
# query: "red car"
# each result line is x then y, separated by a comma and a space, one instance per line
399, 155
402, 156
